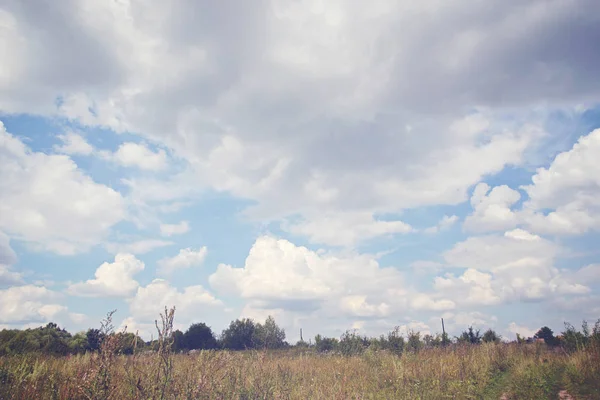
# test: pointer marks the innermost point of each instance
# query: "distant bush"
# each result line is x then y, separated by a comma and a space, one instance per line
471, 336
352, 343
323, 344
490, 336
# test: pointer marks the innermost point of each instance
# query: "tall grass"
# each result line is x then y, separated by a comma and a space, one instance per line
489, 370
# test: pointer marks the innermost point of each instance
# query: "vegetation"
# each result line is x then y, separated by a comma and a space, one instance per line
104, 364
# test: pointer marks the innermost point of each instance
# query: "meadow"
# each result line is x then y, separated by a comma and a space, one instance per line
486, 371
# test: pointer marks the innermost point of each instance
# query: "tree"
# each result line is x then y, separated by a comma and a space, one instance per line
178, 341
239, 335
199, 336
323, 344
269, 335
490, 336
546, 334
470, 336
94, 339
414, 342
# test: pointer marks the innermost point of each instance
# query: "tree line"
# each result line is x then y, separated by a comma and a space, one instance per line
245, 334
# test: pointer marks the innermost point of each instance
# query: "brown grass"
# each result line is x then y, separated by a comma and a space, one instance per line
458, 372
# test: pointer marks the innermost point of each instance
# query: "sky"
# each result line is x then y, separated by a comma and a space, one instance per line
332, 164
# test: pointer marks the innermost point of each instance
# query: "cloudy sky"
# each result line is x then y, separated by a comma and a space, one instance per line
332, 164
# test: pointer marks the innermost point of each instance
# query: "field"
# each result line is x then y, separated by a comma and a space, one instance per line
486, 371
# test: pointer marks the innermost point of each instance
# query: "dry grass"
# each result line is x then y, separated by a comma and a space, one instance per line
457, 372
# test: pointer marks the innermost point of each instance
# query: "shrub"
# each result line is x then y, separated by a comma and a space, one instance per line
323, 344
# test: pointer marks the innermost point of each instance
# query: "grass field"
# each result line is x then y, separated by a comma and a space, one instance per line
486, 371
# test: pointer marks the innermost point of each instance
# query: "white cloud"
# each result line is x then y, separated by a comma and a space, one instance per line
8, 277
445, 223
472, 288
28, 304
264, 127
278, 274
570, 188
492, 209
185, 259
191, 303
517, 266
114, 279
521, 330
174, 229
7, 254
492, 252
137, 247
138, 155
457, 322
73, 143
47, 201
345, 229
422, 301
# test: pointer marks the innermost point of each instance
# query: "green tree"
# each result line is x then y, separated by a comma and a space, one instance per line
352, 343
546, 334
269, 335
323, 344
414, 342
178, 341
470, 336
490, 336
94, 339
239, 335
199, 336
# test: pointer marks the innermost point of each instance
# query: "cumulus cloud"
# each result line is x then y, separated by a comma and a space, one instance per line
445, 223
28, 304
345, 229
521, 330
47, 201
8, 277
73, 143
422, 301
570, 188
325, 115
7, 254
114, 279
492, 209
506, 268
279, 274
191, 303
185, 259
138, 155
270, 123
174, 229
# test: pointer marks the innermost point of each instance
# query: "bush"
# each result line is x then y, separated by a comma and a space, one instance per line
490, 336
351, 343
324, 344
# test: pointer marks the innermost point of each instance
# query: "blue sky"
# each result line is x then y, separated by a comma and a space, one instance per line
335, 167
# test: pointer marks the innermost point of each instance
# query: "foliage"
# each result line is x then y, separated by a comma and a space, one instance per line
325, 344
199, 336
414, 343
239, 335
268, 335
547, 334
352, 343
471, 336
490, 336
